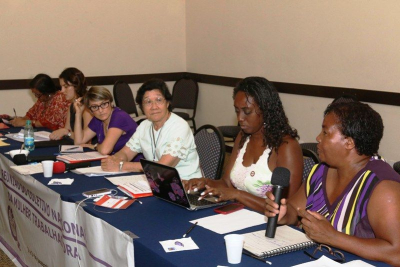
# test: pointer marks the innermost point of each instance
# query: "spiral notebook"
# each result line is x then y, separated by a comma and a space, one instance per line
286, 240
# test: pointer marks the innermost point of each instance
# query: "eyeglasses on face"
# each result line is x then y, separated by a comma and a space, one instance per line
324, 249
103, 105
158, 101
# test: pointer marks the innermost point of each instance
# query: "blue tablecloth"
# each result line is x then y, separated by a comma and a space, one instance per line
156, 220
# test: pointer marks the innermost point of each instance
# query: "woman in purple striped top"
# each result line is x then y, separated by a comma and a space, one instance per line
350, 201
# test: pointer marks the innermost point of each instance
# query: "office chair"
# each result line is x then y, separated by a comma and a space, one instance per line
184, 96
211, 149
396, 167
124, 99
310, 158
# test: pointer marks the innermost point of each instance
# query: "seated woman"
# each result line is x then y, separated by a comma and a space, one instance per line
164, 137
350, 201
51, 107
266, 141
73, 86
112, 126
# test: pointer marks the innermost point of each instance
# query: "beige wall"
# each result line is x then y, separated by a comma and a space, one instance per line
335, 43
97, 36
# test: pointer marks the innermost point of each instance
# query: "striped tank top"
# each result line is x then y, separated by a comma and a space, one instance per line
348, 213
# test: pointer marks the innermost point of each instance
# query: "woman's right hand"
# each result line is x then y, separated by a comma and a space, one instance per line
79, 107
271, 208
195, 184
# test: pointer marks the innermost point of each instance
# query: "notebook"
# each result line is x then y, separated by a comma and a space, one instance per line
286, 240
81, 157
166, 184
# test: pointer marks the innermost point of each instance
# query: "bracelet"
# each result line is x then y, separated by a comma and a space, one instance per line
69, 133
95, 147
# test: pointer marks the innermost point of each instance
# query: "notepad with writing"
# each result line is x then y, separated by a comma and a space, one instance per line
287, 239
81, 157
135, 186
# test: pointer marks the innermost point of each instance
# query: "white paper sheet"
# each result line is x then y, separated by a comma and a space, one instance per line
226, 223
324, 261
178, 244
28, 169
65, 181
94, 171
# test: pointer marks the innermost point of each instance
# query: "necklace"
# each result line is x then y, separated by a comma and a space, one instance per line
154, 141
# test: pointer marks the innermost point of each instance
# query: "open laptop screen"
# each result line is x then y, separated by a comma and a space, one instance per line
165, 182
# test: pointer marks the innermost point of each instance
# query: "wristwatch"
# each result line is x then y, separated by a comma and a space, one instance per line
121, 163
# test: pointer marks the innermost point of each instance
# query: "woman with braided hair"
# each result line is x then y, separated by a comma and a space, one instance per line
266, 141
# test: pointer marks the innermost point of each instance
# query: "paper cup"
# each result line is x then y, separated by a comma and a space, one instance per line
47, 168
234, 247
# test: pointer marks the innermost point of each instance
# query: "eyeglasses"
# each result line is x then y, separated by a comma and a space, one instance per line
158, 101
103, 105
324, 249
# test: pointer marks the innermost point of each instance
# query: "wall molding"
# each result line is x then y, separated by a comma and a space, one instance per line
371, 96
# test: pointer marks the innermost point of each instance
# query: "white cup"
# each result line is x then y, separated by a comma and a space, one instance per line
234, 247
47, 168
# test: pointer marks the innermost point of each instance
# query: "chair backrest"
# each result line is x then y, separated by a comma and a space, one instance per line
123, 97
396, 167
310, 158
312, 147
185, 94
211, 149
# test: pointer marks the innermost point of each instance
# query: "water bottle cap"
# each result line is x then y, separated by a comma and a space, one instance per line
28, 122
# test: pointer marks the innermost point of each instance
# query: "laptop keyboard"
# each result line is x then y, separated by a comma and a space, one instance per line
194, 200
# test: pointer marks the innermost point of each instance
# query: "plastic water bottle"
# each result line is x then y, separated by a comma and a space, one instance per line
29, 139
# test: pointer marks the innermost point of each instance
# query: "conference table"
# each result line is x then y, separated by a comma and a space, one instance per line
156, 220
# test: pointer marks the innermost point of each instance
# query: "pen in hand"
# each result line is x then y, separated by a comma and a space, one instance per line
190, 229
15, 113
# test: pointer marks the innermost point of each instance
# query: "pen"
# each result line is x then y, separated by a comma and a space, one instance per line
72, 148
15, 113
190, 229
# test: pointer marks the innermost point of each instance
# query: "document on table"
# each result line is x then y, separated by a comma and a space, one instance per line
94, 171
226, 223
39, 136
28, 169
324, 261
135, 186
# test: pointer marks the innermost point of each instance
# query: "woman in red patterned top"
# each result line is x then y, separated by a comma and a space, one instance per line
51, 107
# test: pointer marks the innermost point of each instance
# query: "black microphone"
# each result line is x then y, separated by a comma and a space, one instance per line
280, 179
22, 159
60, 167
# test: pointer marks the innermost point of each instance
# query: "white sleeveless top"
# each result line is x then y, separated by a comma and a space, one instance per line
255, 179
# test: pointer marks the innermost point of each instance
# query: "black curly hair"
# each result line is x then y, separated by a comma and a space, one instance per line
360, 122
267, 98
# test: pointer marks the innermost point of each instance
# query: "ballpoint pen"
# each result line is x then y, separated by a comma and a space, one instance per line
190, 229
15, 113
72, 148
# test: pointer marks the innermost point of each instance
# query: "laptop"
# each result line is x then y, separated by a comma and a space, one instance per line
166, 184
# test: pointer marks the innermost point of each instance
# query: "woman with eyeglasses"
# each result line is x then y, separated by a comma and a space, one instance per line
351, 200
73, 86
164, 137
112, 126
51, 107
